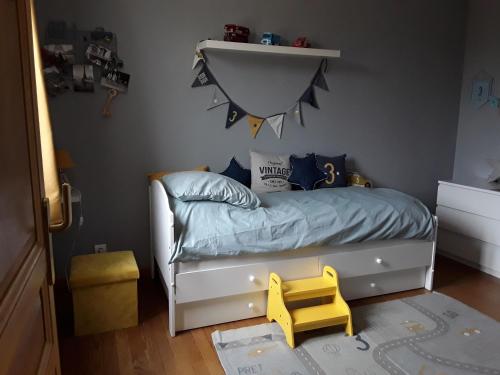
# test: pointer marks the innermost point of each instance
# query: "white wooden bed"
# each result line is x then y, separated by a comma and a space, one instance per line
214, 291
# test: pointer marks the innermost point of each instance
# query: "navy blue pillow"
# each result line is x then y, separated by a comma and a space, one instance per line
238, 173
334, 167
305, 172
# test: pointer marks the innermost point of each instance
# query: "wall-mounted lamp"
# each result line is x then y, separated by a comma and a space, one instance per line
64, 162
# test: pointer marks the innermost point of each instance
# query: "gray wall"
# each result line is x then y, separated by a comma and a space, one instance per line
393, 104
479, 129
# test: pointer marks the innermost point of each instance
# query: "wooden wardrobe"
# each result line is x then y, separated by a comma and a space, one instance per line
28, 335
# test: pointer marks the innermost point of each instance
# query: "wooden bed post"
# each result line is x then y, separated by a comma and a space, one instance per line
429, 275
162, 245
151, 239
171, 301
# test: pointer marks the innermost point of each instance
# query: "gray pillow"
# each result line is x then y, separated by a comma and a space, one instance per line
269, 172
208, 186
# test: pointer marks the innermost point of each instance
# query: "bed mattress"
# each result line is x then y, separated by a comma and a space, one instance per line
297, 219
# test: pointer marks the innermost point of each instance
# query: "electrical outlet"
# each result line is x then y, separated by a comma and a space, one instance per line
100, 248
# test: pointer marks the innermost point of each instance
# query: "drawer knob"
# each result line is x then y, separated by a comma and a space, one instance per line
251, 305
373, 285
251, 278
378, 260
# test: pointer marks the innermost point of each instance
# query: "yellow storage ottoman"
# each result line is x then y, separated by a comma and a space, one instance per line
104, 288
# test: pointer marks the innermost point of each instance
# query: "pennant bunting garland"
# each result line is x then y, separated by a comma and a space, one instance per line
276, 123
218, 98
309, 97
234, 114
198, 56
255, 124
297, 113
204, 78
320, 81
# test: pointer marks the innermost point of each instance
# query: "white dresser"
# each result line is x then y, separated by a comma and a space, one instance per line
469, 225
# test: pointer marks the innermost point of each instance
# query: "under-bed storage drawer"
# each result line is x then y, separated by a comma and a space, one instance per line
382, 283
222, 282
219, 310
382, 258
227, 309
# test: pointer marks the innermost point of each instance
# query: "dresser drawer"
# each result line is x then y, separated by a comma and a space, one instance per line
479, 254
382, 283
467, 224
219, 310
480, 202
382, 258
214, 283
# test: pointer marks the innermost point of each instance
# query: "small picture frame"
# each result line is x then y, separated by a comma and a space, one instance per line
115, 79
83, 78
60, 53
98, 55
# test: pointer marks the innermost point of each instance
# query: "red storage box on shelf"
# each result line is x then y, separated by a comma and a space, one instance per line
235, 38
236, 33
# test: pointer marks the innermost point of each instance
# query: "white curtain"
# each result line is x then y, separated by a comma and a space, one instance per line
50, 175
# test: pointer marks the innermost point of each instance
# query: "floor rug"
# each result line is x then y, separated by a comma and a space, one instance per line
430, 334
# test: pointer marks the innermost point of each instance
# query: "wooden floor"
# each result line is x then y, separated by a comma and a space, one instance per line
149, 349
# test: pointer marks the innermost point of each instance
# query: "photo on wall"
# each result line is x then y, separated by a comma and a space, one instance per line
115, 79
58, 54
98, 55
83, 78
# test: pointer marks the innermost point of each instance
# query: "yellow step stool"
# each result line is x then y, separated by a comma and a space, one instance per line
334, 312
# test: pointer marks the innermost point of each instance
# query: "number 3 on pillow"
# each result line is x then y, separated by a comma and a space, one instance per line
331, 173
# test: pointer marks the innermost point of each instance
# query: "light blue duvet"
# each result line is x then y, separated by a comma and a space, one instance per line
295, 219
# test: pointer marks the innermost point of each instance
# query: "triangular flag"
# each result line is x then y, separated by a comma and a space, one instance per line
234, 114
198, 56
309, 97
297, 113
320, 81
255, 124
218, 98
204, 78
276, 123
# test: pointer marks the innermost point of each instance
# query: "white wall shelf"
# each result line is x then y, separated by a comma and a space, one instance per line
218, 45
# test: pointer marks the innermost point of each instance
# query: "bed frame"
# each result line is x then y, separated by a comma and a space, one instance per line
214, 291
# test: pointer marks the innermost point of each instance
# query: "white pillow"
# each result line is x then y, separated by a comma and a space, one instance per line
269, 172
208, 186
